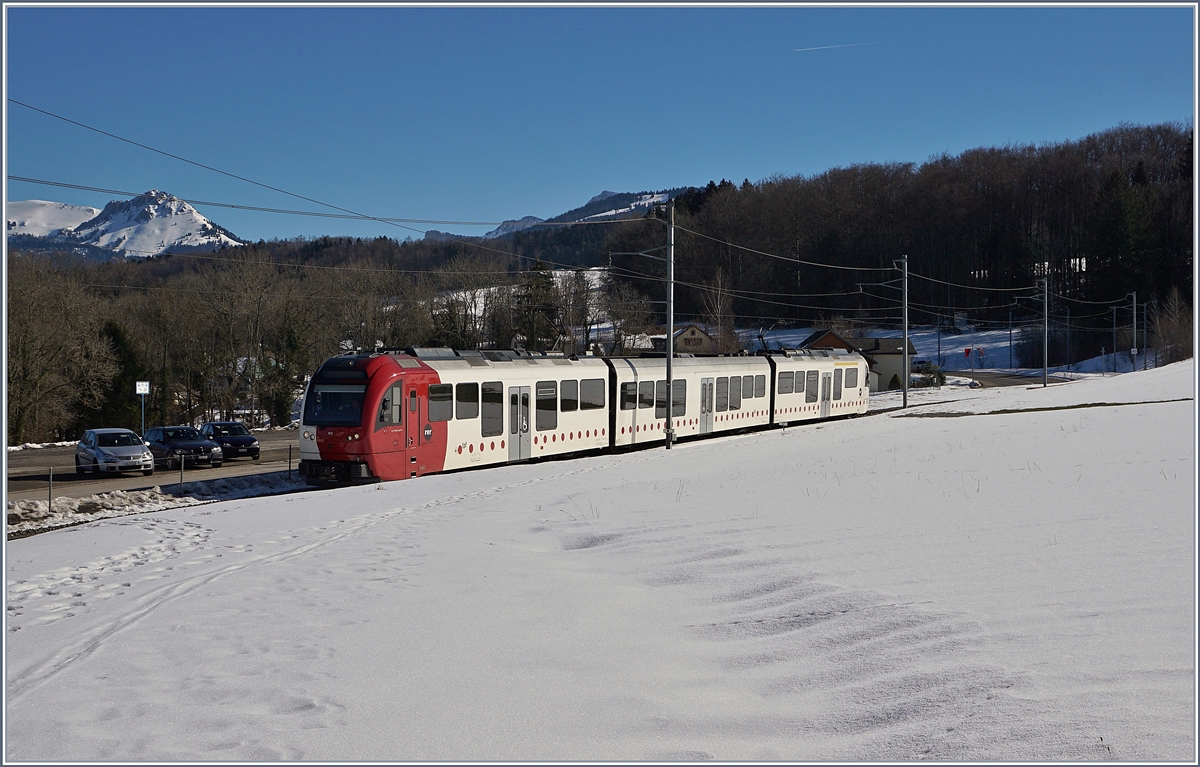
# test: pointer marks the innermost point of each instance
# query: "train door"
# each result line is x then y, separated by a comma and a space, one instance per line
706, 405
826, 392
415, 429
390, 440
519, 445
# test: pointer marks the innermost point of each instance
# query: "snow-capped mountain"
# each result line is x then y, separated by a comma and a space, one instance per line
149, 225
510, 226
40, 218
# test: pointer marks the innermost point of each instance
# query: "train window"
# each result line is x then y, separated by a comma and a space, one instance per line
799, 381
810, 394
492, 424
760, 386
569, 396
851, 378
837, 383
645, 394
514, 414
466, 401
441, 402
747, 387
390, 408
591, 394
547, 405
735, 392
787, 380
660, 399
722, 403
629, 395
678, 397
335, 404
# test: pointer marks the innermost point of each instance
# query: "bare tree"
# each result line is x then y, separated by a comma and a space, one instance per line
58, 356
718, 310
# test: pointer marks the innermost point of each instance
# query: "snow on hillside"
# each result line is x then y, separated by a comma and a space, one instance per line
641, 204
39, 218
510, 226
988, 349
150, 224
922, 584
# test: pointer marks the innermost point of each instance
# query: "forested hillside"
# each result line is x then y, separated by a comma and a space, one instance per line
1100, 218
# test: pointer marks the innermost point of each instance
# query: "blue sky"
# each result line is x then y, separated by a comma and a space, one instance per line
489, 114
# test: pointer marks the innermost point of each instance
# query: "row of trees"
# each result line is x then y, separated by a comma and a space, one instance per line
241, 328
236, 331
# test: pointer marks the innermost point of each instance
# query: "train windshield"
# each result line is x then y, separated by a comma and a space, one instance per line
334, 405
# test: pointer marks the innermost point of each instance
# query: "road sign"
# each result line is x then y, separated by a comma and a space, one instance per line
143, 387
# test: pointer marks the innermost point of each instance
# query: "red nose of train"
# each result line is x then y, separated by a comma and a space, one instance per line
340, 442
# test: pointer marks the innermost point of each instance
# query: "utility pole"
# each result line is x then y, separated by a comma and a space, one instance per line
907, 367
1045, 330
1134, 350
1068, 338
670, 435
1145, 335
1113, 309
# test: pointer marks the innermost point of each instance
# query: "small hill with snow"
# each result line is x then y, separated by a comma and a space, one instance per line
41, 218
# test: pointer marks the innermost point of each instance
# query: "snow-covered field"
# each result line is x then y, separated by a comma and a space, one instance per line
967, 585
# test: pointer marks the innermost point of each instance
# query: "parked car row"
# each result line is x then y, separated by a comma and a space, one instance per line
119, 450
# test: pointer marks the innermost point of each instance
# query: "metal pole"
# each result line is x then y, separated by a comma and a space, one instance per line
289, 460
50, 497
1113, 309
1145, 336
670, 323
905, 377
1010, 367
1045, 330
143, 415
1134, 352
1068, 338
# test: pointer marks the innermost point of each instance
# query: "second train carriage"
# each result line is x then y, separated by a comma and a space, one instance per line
399, 415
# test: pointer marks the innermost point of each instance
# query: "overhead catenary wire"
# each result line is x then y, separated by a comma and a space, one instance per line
786, 258
347, 213
259, 209
391, 222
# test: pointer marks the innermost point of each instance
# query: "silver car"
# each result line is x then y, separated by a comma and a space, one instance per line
112, 451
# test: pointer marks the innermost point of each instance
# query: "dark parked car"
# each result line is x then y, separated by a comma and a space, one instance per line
172, 444
233, 437
112, 451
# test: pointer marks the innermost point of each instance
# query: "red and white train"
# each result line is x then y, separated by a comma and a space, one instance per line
393, 415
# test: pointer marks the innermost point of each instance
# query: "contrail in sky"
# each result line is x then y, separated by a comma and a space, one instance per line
827, 47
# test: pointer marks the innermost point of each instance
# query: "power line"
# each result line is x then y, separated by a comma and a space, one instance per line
789, 259
1120, 300
971, 287
315, 214
353, 213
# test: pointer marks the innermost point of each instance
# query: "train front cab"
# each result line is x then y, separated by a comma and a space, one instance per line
366, 418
